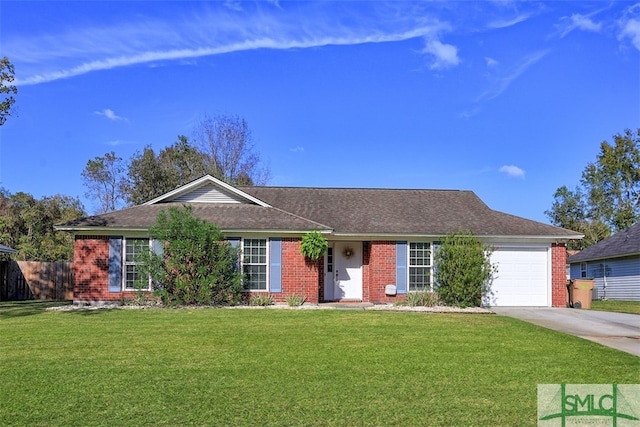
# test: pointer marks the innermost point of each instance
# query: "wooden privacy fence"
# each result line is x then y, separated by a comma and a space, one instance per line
22, 280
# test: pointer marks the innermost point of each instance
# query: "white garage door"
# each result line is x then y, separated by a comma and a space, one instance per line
522, 278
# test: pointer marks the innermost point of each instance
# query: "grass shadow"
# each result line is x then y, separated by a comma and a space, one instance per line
89, 311
9, 309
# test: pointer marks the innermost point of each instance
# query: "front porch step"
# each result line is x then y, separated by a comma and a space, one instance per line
347, 305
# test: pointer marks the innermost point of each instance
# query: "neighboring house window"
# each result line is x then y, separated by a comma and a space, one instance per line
583, 269
329, 259
419, 266
254, 264
133, 249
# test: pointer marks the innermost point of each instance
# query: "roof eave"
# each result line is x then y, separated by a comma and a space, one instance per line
601, 258
545, 238
121, 230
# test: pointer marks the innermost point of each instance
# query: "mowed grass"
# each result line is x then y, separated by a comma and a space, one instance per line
632, 307
285, 367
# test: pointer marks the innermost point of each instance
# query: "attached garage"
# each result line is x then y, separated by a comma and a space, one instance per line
522, 278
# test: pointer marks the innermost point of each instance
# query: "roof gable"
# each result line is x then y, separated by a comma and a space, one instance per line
207, 190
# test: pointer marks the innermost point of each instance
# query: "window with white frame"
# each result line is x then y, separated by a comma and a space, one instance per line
254, 264
133, 250
583, 269
420, 266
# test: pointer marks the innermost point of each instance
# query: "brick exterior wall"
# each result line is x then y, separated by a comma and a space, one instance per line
299, 276
559, 295
378, 270
91, 269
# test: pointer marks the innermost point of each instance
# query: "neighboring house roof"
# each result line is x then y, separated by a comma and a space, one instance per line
623, 243
6, 249
341, 211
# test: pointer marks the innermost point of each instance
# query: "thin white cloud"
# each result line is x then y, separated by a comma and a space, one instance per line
630, 26
297, 149
50, 57
444, 55
501, 84
505, 23
578, 22
109, 114
512, 171
490, 62
233, 5
467, 114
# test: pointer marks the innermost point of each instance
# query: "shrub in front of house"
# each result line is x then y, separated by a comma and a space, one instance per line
463, 270
422, 299
196, 265
295, 300
262, 300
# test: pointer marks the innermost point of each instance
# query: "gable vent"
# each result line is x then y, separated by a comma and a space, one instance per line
208, 194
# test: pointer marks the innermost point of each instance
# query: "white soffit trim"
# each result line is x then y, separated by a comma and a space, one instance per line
207, 179
483, 237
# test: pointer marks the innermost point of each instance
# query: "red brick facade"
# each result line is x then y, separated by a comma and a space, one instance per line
378, 271
299, 276
559, 293
91, 269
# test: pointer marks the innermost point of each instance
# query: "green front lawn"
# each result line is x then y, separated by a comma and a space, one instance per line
632, 307
285, 367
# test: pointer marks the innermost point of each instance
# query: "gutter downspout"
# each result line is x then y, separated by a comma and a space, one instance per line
604, 279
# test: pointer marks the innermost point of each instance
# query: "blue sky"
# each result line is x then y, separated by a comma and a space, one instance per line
508, 99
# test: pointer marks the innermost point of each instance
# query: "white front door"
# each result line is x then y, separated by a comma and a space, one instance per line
347, 271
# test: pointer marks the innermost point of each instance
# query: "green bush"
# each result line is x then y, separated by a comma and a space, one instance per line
295, 300
422, 299
463, 270
260, 300
196, 266
313, 245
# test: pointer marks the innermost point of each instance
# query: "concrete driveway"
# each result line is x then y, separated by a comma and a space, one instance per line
616, 330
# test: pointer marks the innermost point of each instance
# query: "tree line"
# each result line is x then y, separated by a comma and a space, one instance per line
607, 200
26, 225
221, 146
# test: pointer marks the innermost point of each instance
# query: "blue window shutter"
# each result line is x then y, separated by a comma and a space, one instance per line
435, 248
401, 267
157, 247
115, 264
275, 265
235, 243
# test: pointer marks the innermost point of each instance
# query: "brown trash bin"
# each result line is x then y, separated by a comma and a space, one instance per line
581, 293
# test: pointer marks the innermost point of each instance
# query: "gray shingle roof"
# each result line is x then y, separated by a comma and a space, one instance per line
227, 216
623, 243
395, 211
348, 211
